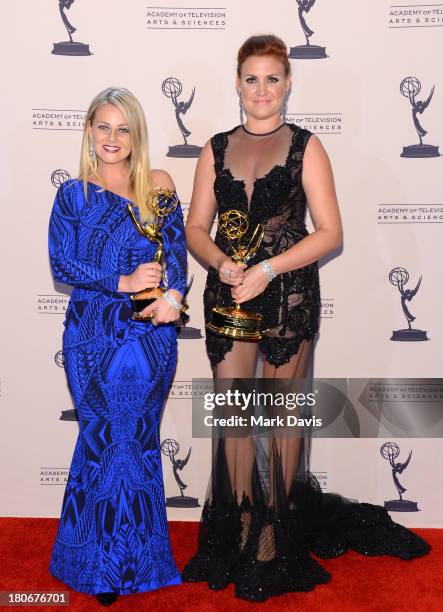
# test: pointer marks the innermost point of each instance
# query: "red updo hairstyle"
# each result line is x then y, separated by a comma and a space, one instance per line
265, 44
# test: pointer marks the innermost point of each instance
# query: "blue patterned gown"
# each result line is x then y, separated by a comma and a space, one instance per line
113, 533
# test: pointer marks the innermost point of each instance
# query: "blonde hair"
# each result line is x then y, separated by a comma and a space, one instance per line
138, 160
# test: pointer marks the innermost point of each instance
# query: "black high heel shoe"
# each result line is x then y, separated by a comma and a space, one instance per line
106, 599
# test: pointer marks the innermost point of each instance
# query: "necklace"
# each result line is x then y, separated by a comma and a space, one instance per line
263, 133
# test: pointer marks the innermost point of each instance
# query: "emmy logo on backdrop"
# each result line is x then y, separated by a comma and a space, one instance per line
390, 451
399, 277
172, 88
66, 415
59, 176
59, 360
409, 88
306, 51
185, 331
69, 47
170, 448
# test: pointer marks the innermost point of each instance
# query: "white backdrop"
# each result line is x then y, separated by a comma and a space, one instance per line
351, 99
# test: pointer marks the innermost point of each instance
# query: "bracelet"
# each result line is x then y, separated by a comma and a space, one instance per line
268, 269
172, 301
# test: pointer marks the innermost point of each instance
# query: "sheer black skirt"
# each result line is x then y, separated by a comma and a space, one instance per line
265, 513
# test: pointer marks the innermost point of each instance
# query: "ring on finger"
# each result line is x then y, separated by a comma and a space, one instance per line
228, 274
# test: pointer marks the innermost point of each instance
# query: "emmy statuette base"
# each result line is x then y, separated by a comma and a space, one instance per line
71, 48
418, 150
142, 299
182, 501
189, 333
235, 323
69, 415
184, 151
307, 52
409, 335
401, 505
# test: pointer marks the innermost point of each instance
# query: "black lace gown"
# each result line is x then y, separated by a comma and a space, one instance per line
265, 513
290, 305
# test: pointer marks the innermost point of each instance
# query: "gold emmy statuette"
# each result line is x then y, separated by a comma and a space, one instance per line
233, 321
151, 231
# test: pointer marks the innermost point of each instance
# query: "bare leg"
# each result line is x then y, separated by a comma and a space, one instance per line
288, 447
284, 450
240, 452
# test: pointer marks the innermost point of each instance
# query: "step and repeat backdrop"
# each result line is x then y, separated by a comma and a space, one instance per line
366, 80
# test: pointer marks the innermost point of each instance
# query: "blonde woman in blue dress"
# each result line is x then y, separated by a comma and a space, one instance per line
113, 535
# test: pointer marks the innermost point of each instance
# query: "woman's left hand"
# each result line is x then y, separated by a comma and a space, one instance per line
164, 312
255, 282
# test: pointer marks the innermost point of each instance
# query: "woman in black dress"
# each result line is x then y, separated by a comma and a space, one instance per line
264, 510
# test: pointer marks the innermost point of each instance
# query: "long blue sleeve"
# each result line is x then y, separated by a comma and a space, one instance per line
62, 241
174, 240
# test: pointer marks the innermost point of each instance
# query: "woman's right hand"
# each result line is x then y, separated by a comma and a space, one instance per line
145, 276
231, 273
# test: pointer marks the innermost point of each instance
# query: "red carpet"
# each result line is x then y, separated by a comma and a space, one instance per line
358, 583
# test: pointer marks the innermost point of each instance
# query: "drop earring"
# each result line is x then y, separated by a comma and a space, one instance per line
284, 108
92, 155
241, 109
